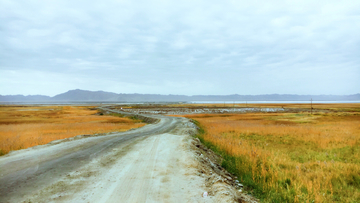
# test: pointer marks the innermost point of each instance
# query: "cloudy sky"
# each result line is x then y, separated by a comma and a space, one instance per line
180, 47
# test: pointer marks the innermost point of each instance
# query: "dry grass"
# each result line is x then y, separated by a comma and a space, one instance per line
316, 106
301, 157
26, 126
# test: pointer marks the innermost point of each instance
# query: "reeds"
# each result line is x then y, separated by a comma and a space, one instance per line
294, 157
23, 127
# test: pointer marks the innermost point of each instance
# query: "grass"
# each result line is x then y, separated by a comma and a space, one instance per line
22, 127
340, 107
290, 157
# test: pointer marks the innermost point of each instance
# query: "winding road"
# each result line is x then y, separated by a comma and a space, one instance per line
28, 171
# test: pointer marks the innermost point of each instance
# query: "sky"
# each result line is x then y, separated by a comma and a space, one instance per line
187, 47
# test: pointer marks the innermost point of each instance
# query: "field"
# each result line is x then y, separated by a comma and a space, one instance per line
337, 107
22, 127
293, 156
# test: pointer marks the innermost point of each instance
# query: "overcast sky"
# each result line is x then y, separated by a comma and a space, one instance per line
180, 47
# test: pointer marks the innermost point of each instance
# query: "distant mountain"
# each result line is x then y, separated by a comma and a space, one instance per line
22, 98
101, 96
85, 95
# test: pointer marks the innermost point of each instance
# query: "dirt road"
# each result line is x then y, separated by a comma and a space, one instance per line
154, 163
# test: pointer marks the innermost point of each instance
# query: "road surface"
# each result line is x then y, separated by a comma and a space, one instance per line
153, 163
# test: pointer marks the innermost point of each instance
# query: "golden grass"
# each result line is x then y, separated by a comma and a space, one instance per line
303, 157
320, 106
22, 127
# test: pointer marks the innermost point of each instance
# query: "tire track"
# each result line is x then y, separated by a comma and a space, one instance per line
27, 171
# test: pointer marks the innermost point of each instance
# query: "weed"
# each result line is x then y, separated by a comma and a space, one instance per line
286, 157
23, 127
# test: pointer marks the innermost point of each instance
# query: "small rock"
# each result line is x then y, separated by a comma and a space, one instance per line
228, 177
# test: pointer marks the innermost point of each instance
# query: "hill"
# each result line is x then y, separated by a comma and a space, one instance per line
101, 96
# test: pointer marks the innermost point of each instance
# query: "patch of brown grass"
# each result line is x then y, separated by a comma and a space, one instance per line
316, 106
301, 156
22, 127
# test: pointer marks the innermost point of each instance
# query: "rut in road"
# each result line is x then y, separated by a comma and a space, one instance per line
154, 163
159, 168
27, 171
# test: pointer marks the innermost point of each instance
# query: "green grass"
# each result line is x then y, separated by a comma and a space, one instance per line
135, 118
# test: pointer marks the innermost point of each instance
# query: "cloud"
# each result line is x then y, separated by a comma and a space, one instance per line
229, 46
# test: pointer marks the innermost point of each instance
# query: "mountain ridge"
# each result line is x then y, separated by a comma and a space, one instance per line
79, 95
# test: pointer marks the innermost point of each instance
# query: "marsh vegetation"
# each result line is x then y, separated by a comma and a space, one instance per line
293, 156
22, 127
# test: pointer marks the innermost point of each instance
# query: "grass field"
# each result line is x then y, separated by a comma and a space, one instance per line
291, 157
349, 107
22, 127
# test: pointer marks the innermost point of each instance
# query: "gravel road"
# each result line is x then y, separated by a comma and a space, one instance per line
154, 163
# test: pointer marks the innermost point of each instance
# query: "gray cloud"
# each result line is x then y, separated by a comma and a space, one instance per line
187, 47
